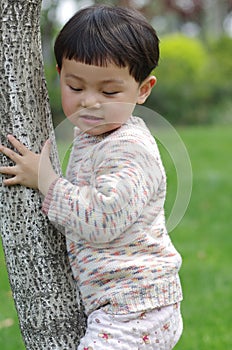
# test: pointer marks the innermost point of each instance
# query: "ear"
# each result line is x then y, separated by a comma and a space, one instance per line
58, 69
145, 89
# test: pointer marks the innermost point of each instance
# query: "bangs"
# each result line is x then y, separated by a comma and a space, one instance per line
93, 49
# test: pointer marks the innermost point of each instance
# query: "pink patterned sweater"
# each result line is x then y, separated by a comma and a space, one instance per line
111, 207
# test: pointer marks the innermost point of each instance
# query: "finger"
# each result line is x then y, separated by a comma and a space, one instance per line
17, 145
45, 153
10, 170
9, 153
11, 182
46, 148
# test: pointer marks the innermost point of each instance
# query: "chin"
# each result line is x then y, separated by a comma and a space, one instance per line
100, 130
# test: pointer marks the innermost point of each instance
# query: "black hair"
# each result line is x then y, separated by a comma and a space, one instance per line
103, 34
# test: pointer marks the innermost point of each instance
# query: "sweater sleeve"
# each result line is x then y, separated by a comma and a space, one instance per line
124, 176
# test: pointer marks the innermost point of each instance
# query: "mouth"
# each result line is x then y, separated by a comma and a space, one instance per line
91, 119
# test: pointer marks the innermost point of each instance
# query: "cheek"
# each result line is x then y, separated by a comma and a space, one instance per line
69, 104
119, 111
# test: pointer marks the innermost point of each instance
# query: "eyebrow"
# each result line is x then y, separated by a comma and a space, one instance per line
106, 81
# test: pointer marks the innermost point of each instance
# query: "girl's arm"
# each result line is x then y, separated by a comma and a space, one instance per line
123, 177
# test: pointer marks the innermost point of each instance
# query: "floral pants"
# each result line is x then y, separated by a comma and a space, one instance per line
158, 329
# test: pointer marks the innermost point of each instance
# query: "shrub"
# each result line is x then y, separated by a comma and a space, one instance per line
220, 67
179, 79
194, 83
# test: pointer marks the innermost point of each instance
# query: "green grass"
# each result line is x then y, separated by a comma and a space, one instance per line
203, 238
10, 338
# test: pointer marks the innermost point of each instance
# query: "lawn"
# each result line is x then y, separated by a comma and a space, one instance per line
203, 238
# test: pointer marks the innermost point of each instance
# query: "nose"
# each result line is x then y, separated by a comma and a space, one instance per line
90, 100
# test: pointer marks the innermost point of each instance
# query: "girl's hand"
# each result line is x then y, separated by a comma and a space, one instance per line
31, 170
25, 170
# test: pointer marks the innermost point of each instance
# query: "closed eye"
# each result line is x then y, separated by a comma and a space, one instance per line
110, 93
75, 89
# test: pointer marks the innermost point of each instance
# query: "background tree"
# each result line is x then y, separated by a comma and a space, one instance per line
39, 272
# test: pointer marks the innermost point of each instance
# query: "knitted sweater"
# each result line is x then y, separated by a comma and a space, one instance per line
112, 209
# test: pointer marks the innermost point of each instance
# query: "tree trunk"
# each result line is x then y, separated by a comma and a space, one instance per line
38, 268
214, 14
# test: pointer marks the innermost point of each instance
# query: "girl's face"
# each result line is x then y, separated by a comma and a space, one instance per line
100, 99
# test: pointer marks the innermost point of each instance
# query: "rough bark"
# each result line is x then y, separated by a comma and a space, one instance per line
39, 272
